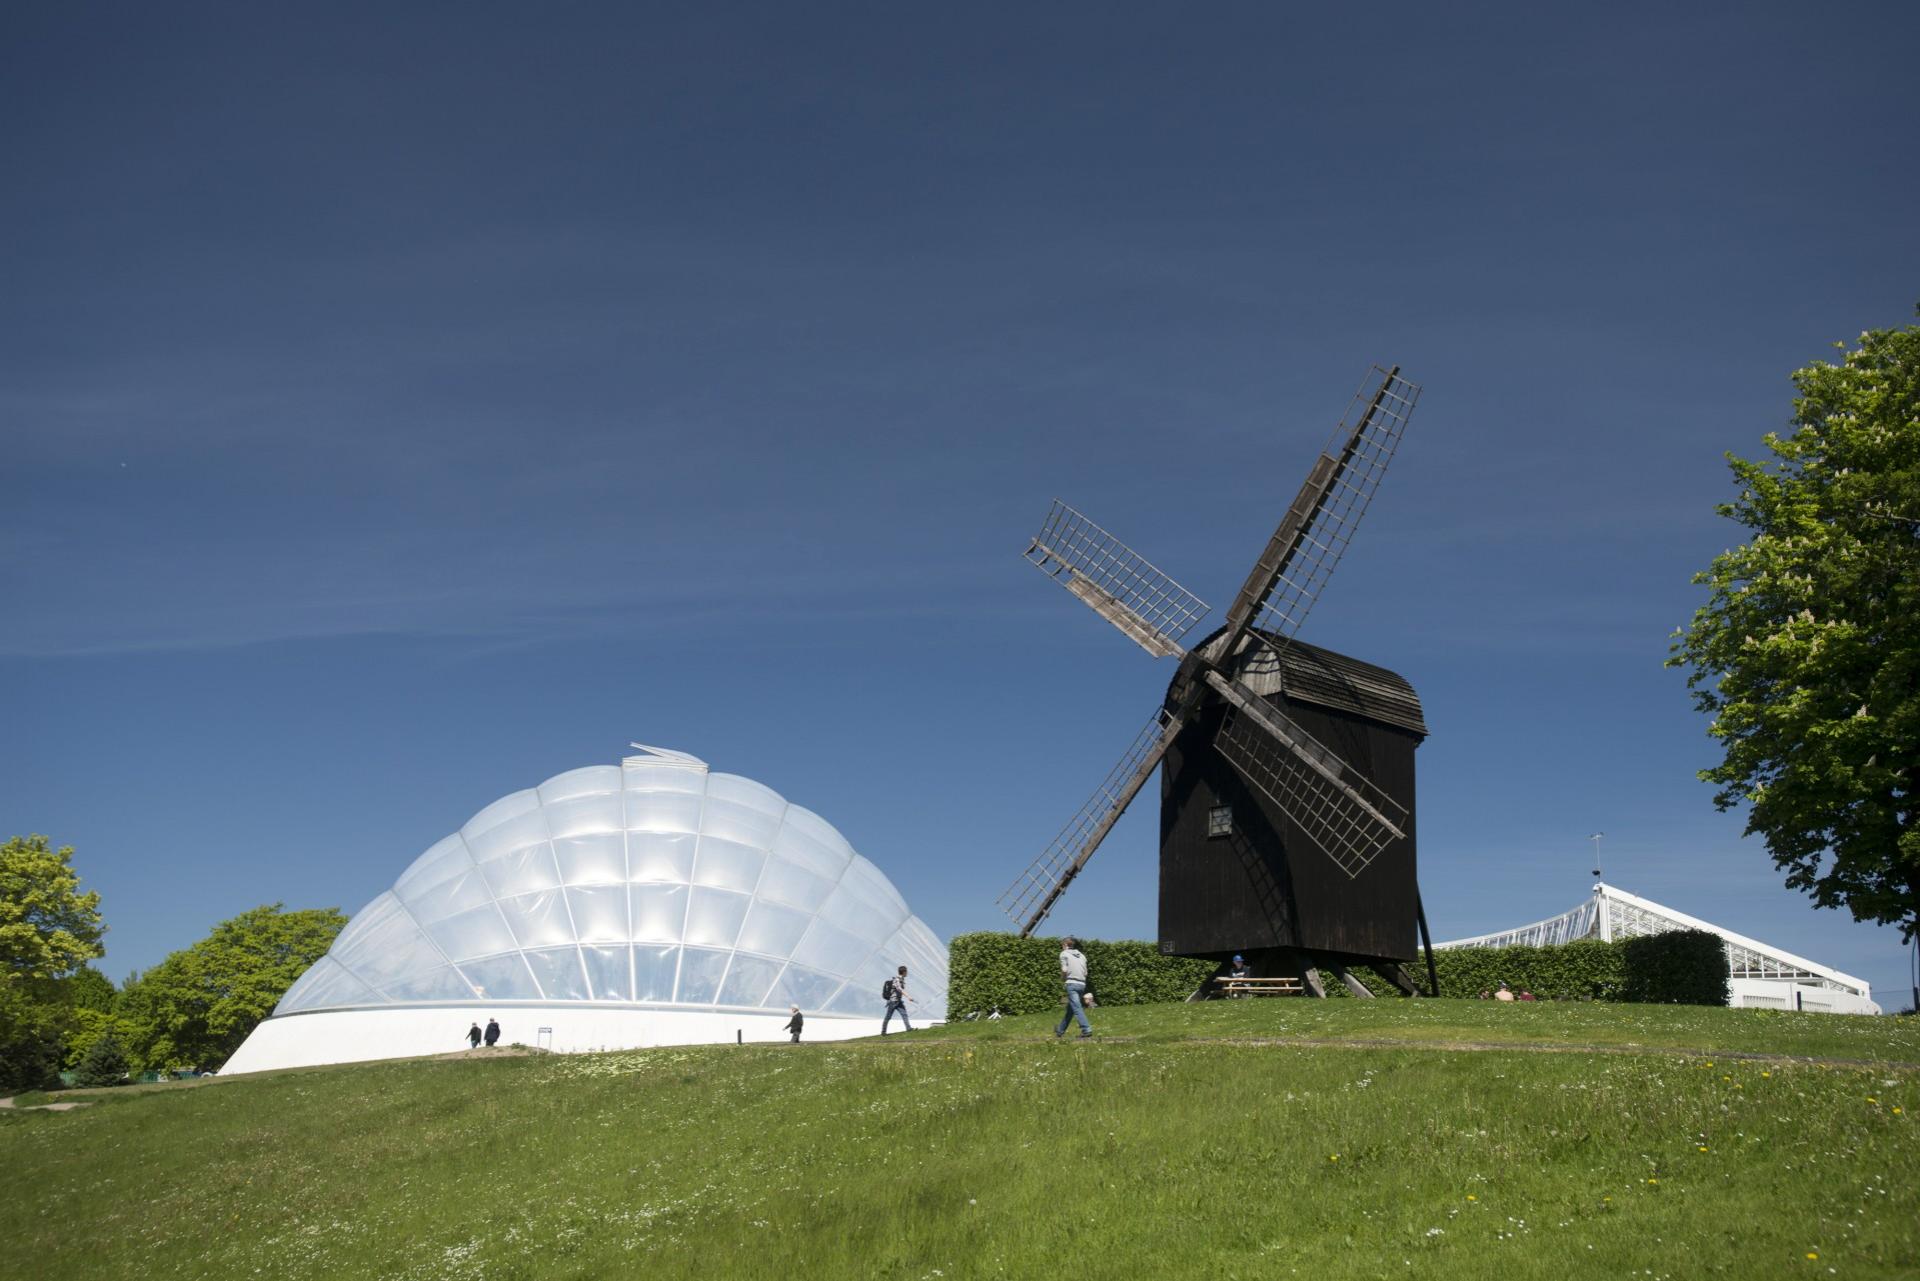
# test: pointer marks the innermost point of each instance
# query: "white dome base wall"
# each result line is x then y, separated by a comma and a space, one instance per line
360, 1036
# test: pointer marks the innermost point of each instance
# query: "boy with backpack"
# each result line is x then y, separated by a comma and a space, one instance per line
894, 993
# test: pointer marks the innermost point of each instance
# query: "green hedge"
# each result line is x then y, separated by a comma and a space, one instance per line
1685, 967
1022, 976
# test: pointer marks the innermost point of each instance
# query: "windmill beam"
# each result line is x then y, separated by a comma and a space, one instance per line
1294, 526
1299, 742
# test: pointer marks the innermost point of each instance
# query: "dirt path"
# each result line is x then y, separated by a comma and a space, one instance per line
1477, 1047
7, 1103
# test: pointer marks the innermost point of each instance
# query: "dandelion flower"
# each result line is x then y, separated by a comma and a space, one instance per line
1472, 1197
1703, 1147
1334, 1157
1812, 1255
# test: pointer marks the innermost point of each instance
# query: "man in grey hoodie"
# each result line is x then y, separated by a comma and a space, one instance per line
1073, 976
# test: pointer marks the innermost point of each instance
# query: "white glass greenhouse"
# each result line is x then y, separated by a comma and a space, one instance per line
648, 903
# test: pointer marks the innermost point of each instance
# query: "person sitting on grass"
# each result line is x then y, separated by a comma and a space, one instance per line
1504, 994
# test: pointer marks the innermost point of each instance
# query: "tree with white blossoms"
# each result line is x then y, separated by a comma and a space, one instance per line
1807, 654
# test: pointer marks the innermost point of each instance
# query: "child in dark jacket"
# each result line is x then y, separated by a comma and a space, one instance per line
795, 1023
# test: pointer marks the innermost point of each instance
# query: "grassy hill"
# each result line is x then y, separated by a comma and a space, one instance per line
1436, 1139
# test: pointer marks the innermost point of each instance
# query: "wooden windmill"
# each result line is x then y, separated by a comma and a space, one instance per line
1287, 801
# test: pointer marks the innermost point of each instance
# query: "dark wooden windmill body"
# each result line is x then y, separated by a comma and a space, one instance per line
1287, 796
1237, 872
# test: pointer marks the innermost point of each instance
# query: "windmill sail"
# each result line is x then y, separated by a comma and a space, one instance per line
1309, 541
1365, 451
1120, 585
1338, 808
1029, 899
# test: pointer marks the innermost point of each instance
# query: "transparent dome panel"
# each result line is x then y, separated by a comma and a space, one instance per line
871, 887
444, 859
853, 914
660, 856
827, 947
539, 920
610, 970
701, 970
591, 780
599, 859
444, 984
785, 883
808, 989
714, 916
501, 978
664, 811
480, 932
854, 999
748, 979
511, 831
654, 969
382, 944
772, 929
810, 842
326, 984
659, 913
726, 865
600, 913
522, 871
582, 815
741, 810
560, 972
465, 890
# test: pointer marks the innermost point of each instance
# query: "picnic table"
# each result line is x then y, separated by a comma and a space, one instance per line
1227, 985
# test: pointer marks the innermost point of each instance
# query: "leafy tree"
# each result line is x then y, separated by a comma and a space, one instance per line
1807, 654
48, 929
105, 1063
91, 1002
197, 1005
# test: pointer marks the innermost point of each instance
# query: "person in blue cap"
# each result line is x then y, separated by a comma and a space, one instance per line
1240, 970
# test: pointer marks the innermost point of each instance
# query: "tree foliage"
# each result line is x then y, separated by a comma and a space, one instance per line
48, 928
105, 1063
195, 1007
1807, 653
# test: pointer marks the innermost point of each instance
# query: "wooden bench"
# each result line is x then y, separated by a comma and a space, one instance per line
1229, 986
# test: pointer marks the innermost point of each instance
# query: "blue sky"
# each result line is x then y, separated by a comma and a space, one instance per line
399, 408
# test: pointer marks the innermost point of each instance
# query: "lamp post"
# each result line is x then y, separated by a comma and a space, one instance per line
1595, 838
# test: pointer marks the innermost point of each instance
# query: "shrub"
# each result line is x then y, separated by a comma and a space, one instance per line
1684, 967
1022, 976
105, 1064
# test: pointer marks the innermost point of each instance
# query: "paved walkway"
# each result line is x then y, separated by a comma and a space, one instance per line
41, 1107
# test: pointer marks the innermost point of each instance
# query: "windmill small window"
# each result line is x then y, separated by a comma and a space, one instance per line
1220, 821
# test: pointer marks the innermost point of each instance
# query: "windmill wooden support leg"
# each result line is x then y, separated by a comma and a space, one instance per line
1398, 976
1293, 963
1354, 985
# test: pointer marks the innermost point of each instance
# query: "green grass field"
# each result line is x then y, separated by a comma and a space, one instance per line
1432, 1139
